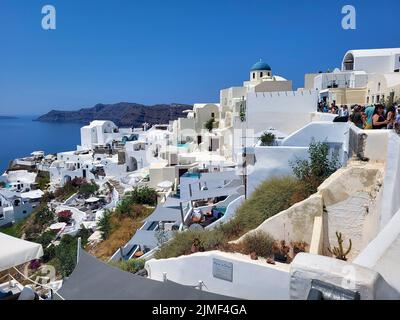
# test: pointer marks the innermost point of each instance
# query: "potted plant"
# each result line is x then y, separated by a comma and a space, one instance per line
281, 251
64, 216
253, 256
299, 246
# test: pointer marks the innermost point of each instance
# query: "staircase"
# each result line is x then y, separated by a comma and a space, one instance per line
117, 186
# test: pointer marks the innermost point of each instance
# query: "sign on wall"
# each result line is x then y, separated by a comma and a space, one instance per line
223, 270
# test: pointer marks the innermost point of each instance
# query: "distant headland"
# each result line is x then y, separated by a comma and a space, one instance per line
7, 117
123, 114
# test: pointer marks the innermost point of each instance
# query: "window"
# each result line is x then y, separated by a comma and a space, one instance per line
212, 115
254, 75
24, 212
261, 74
377, 98
2, 216
367, 100
379, 87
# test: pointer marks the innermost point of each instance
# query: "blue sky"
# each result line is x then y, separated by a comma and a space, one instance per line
171, 50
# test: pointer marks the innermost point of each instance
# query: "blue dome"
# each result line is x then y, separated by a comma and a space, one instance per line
260, 66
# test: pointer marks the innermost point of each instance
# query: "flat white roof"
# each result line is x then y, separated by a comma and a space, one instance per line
34, 194
374, 52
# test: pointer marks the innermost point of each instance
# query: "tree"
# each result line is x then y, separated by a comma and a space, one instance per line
313, 171
209, 125
104, 225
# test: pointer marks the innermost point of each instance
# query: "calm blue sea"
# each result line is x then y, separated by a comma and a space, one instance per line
19, 137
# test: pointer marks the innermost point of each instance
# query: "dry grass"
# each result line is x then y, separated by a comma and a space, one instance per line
123, 229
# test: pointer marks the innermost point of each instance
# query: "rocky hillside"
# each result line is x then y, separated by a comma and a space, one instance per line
123, 114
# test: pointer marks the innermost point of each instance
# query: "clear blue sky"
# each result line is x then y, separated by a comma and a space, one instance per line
171, 50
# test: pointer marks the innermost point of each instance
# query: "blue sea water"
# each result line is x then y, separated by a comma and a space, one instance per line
20, 137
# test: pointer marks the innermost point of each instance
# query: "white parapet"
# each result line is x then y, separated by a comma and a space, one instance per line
230, 274
367, 282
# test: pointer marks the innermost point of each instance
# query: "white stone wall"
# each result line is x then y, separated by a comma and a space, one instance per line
318, 131
367, 282
351, 196
287, 111
251, 279
383, 253
391, 187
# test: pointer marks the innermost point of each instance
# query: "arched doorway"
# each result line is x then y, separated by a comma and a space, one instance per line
348, 62
66, 179
132, 164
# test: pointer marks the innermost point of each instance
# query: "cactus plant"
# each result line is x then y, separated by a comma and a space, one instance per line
338, 252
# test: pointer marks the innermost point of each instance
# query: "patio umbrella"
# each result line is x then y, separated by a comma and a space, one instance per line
14, 251
58, 226
92, 200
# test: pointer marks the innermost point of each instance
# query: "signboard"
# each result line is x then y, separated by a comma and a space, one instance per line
223, 270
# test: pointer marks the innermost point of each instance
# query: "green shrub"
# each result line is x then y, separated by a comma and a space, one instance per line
49, 253
66, 191
182, 243
41, 218
144, 195
15, 230
271, 197
313, 171
88, 189
267, 139
104, 225
65, 253
84, 234
44, 216
132, 265
259, 242
179, 245
46, 238
43, 179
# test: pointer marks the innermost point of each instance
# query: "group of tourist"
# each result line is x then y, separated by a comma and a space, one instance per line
365, 117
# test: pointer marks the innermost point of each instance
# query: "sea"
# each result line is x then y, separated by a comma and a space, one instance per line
21, 136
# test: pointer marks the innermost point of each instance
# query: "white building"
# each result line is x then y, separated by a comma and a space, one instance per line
372, 60
365, 76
